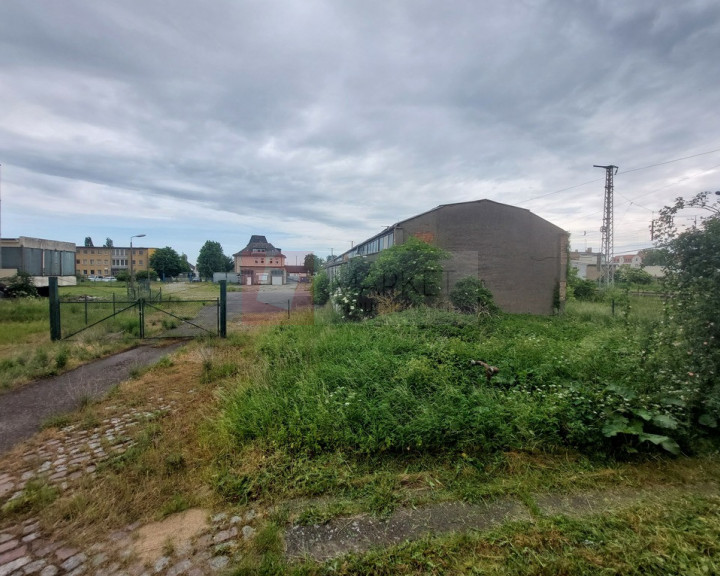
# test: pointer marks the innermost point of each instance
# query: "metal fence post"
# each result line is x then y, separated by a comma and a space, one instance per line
54, 292
223, 309
141, 310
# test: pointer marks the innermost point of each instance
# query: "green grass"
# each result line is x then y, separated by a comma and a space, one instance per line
677, 537
404, 383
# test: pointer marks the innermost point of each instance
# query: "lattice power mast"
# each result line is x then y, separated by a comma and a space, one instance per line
608, 247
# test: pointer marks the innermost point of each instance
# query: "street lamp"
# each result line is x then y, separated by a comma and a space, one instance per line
132, 273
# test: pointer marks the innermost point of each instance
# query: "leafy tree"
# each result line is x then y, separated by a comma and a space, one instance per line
320, 288
166, 262
410, 272
185, 264
88, 242
689, 356
124, 275
212, 259
312, 264
654, 257
626, 274
108, 243
471, 297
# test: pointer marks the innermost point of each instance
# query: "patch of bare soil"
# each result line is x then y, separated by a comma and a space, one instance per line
173, 534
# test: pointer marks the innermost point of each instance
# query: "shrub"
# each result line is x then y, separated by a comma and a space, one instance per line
350, 297
469, 296
320, 288
146, 275
585, 290
687, 350
21, 286
411, 271
626, 274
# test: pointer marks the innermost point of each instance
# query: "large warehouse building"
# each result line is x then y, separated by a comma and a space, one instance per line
520, 257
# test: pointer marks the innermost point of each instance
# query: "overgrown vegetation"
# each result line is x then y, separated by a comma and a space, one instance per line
404, 383
471, 297
20, 286
401, 277
689, 339
320, 288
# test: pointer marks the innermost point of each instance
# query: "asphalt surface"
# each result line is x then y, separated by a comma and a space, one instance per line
23, 411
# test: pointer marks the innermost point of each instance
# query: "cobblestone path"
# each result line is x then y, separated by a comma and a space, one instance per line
77, 453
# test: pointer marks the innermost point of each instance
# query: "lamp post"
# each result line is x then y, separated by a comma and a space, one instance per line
132, 272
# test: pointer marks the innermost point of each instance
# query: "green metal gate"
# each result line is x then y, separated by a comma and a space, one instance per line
139, 318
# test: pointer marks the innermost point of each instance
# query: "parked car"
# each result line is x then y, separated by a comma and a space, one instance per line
109, 279
95, 278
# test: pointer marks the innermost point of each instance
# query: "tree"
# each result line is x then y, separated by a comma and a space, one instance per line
312, 264
88, 242
410, 272
166, 262
626, 274
108, 243
212, 259
320, 288
689, 351
654, 257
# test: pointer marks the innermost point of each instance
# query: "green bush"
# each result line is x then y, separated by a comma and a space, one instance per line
627, 275
350, 296
320, 288
411, 272
469, 296
21, 286
585, 290
146, 275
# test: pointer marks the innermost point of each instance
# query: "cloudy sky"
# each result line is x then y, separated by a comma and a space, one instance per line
319, 122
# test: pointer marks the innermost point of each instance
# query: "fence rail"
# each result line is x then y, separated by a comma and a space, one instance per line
152, 317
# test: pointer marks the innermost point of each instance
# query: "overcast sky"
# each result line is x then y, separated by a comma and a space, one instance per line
320, 122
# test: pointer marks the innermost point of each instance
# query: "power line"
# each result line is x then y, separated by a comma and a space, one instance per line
670, 161
623, 172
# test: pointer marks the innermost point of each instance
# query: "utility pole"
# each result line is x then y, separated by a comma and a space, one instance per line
1, 218
608, 275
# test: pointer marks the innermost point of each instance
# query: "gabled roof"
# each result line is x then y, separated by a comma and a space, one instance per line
259, 244
399, 224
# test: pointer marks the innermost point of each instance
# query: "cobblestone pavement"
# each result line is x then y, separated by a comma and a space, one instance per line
76, 453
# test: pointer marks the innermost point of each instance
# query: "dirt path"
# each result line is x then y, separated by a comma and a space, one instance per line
23, 411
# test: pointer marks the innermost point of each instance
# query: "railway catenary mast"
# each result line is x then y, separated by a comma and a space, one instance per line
607, 248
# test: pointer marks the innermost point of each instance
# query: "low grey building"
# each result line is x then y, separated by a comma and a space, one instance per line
38, 257
520, 257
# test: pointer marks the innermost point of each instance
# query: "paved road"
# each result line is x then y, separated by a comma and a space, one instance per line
23, 411
258, 299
